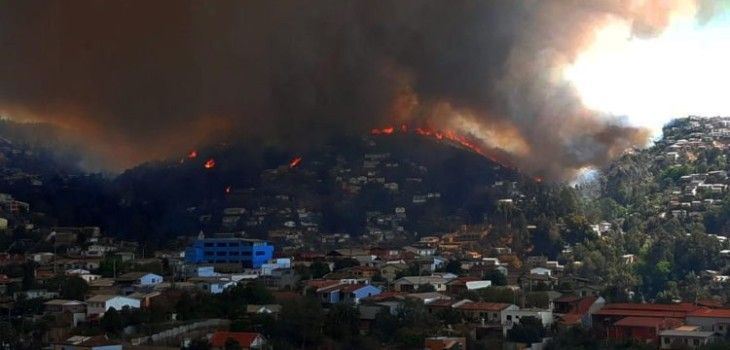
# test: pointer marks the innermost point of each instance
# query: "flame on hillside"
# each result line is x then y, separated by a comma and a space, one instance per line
295, 162
209, 164
450, 137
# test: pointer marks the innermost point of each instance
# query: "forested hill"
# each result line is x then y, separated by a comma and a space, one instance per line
669, 208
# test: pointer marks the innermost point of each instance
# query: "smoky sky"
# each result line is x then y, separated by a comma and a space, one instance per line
140, 80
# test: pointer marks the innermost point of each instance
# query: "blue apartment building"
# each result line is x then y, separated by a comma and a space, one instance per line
248, 252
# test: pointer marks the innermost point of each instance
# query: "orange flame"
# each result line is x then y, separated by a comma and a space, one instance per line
193, 154
447, 135
209, 164
294, 162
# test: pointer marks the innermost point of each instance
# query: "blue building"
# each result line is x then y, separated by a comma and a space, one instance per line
249, 252
346, 292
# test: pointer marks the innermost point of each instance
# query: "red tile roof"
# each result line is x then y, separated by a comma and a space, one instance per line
352, 287
567, 299
245, 339
712, 303
640, 313
681, 307
584, 304
385, 296
481, 306
570, 319
721, 313
461, 281
678, 311
647, 322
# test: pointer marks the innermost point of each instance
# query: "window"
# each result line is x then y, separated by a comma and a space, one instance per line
208, 244
208, 253
696, 342
220, 253
233, 244
259, 253
236, 253
667, 340
220, 244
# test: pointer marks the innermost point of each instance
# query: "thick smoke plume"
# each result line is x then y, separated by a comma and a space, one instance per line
141, 80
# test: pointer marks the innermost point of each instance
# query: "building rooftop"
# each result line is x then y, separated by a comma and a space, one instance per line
704, 312
647, 322
483, 306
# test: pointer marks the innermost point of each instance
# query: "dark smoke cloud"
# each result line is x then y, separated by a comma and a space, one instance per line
141, 80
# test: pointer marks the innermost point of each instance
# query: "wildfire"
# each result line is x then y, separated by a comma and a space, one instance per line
209, 164
295, 162
446, 135
193, 154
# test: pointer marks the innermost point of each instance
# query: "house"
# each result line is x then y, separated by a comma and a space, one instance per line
576, 311
614, 312
79, 342
391, 271
643, 329
463, 284
440, 305
445, 343
72, 311
485, 312
61, 305
36, 294
712, 320
412, 283
428, 297
213, 285
685, 337
146, 299
269, 309
139, 279
512, 317
346, 292
99, 304
247, 340
541, 271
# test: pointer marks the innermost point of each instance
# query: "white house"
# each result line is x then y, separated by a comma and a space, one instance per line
213, 285
713, 320
686, 337
512, 317
99, 304
541, 271
140, 278
411, 283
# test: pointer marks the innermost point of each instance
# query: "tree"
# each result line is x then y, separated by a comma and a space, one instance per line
300, 322
529, 330
345, 263
319, 269
384, 326
111, 322
496, 277
454, 266
232, 344
199, 344
74, 288
342, 322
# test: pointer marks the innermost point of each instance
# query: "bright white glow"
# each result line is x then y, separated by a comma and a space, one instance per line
685, 71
